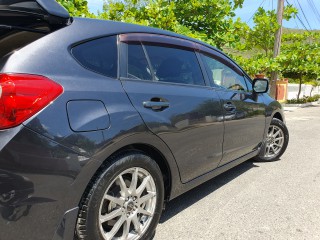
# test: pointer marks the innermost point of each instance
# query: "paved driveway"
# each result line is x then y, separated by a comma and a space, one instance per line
278, 200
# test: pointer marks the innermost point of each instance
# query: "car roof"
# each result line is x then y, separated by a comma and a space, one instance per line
107, 27
95, 27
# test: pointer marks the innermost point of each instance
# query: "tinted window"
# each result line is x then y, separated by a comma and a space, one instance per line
223, 76
99, 55
175, 65
249, 83
138, 67
12, 39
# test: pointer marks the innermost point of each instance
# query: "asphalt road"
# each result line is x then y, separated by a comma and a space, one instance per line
277, 200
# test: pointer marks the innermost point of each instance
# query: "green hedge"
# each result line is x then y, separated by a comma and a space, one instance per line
305, 99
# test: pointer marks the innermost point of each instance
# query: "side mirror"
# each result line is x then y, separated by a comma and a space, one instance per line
260, 85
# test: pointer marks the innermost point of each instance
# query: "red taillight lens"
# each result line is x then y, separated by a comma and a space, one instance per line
22, 96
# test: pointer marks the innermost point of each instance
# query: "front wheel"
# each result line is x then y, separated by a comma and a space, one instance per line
124, 201
275, 143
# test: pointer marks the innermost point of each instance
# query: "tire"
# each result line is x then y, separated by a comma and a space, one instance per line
136, 206
274, 146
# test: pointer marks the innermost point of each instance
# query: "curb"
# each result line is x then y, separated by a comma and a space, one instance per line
301, 105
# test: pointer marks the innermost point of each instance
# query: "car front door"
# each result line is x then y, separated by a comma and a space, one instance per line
244, 111
164, 82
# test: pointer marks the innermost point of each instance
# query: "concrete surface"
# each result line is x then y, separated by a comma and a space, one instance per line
277, 200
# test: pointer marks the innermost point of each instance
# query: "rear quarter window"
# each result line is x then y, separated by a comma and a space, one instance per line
99, 55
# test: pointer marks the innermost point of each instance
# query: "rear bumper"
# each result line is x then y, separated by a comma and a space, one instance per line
38, 186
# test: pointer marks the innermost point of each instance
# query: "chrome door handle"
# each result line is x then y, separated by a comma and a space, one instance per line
157, 106
229, 107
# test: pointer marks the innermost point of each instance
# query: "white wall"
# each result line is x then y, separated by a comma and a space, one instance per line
305, 90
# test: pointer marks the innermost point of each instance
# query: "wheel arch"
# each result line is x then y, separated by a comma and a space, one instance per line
278, 115
158, 157
147, 143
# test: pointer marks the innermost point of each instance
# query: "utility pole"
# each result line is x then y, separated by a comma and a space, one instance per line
276, 49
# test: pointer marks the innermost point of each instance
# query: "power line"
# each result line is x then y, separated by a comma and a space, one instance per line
302, 23
314, 9
298, 18
256, 10
303, 14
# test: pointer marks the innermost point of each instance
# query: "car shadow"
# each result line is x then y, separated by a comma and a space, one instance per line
312, 106
189, 198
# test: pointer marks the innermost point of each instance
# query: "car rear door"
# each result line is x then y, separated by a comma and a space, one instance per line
244, 111
164, 82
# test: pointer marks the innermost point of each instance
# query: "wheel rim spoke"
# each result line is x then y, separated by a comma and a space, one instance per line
274, 149
145, 212
278, 145
267, 150
143, 185
115, 228
146, 197
110, 216
126, 229
118, 201
123, 186
276, 133
271, 131
134, 181
136, 224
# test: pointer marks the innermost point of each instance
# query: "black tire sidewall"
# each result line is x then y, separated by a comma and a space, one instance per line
103, 180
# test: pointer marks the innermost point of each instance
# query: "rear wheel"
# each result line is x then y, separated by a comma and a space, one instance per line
124, 201
275, 143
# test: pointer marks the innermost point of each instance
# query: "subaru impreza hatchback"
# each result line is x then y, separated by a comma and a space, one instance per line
102, 123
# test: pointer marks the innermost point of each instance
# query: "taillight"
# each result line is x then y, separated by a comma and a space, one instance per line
23, 95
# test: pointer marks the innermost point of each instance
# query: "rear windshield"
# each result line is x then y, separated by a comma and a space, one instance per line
18, 31
13, 40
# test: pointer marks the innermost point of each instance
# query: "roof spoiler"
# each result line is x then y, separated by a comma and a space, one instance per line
49, 10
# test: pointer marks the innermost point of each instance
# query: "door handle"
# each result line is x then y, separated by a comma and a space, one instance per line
156, 106
229, 107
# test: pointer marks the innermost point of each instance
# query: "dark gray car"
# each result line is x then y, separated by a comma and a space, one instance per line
102, 123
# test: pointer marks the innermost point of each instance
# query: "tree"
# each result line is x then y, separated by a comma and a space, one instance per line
262, 35
76, 8
254, 51
314, 83
211, 17
157, 13
258, 63
208, 20
300, 57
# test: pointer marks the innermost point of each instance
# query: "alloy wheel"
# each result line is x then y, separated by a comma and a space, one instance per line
274, 141
128, 205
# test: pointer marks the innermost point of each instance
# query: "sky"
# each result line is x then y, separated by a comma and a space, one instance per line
309, 19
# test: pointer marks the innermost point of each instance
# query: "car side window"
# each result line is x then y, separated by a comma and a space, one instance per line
175, 65
223, 76
249, 83
99, 55
138, 67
